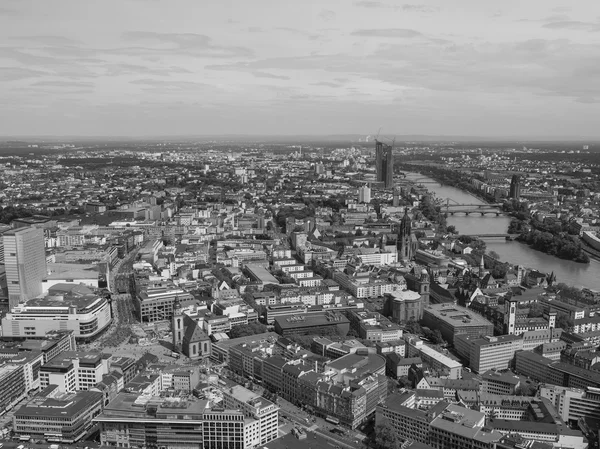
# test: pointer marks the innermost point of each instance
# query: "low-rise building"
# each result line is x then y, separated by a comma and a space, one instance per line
12, 379
58, 416
67, 307
312, 323
256, 408
75, 371
495, 382
454, 320
132, 421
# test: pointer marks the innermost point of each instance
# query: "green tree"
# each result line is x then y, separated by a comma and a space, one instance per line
404, 382
386, 437
535, 311
564, 321
525, 389
494, 255
412, 327
249, 329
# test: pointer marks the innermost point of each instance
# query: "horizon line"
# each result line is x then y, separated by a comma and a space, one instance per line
336, 136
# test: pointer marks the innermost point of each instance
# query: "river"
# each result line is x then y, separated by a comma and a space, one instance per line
571, 273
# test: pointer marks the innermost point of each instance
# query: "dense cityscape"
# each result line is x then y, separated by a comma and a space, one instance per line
369, 292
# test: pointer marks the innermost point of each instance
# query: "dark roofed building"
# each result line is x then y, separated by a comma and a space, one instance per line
304, 324
60, 417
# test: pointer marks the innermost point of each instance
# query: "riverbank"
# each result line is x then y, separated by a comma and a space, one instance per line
594, 253
560, 246
515, 253
444, 182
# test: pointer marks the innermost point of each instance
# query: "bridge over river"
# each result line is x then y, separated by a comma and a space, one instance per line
480, 211
491, 236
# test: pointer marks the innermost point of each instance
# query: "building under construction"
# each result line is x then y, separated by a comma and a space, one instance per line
384, 164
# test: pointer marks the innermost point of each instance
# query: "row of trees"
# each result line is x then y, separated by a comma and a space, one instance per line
563, 245
430, 210
449, 177
10, 213
249, 329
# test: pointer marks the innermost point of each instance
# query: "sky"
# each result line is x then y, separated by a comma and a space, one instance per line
288, 67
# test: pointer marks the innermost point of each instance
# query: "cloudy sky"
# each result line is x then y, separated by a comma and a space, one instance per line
192, 67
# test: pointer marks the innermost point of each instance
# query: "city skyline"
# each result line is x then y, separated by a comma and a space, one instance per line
157, 68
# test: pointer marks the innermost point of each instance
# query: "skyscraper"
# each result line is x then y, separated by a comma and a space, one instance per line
25, 264
515, 187
384, 164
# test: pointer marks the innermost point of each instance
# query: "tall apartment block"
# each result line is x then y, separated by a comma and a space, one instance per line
25, 264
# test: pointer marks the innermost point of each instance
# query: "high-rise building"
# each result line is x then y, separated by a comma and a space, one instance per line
515, 187
384, 164
364, 194
25, 263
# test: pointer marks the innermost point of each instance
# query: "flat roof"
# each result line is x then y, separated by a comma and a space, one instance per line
65, 404
249, 397
456, 315
442, 358
132, 404
508, 377
65, 359
65, 301
262, 274
226, 344
314, 319
71, 271
486, 341
357, 365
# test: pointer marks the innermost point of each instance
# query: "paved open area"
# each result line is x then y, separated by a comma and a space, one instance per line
312, 441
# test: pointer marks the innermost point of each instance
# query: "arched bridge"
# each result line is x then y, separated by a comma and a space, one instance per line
477, 206
482, 211
490, 236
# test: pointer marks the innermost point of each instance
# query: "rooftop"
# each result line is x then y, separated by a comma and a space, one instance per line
316, 319
65, 404
456, 315
357, 365
496, 376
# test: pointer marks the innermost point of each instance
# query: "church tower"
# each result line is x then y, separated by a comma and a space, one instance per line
510, 315
405, 248
423, 285
481, 268
177, 324
383, 243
